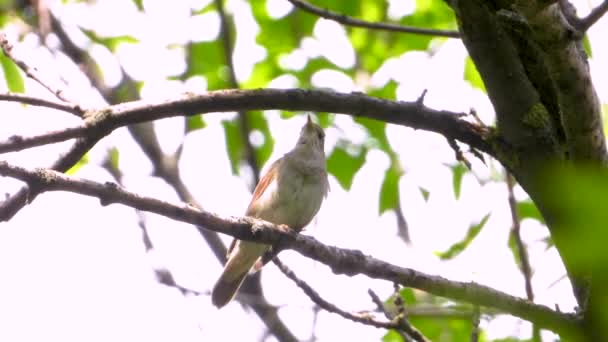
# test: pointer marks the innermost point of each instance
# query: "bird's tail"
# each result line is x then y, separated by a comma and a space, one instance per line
226, 287
243, 256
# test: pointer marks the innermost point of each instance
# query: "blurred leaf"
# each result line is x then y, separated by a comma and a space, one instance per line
587, 45
82, 162
195, 122
234, 144
257, 121
425, 193
408, 296
389, 190
578, 196
472, 76
377, 130
139, 4
114, 158
207, 59
392, 336
12, 75
460, 246
325, 119
344, 165
388, 91
527, 209
110, 42
458, 171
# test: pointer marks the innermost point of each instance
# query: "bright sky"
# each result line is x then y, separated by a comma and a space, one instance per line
73, 270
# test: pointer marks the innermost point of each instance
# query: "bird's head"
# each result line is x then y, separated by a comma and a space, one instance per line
312, 136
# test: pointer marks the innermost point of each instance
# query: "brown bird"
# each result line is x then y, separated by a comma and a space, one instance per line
290, 193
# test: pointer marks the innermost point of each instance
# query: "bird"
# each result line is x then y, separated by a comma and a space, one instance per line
289, 194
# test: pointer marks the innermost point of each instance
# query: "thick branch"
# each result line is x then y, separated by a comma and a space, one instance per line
341, 261
567, 64
409, 114
349, 21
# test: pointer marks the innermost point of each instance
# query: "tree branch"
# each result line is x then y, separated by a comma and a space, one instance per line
327, 306
33, 73
349, 21
567, 64
38, 101
408, 114
341, 261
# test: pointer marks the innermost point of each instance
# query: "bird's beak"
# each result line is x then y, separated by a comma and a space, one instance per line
308, 121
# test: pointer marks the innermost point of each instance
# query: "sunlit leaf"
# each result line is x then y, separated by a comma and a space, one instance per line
12, 75
234, 144
425, 193
389, 190
458, 172
114, 157
195, 122
258, 122
344, 165
139, 4
110, 42
587, 45
82, 162
472, 76
461, 245
527, 209
207, 59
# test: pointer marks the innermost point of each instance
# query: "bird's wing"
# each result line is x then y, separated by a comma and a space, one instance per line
267, 181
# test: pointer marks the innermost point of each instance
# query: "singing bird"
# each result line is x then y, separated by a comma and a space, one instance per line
290, 193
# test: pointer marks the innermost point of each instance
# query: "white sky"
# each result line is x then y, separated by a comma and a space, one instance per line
73, 270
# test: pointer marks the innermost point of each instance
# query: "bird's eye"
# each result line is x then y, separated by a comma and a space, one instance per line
321, 135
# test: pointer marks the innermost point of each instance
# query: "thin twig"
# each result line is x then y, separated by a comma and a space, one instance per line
327, 306
407, 331
32, 72
524, 259
341, 261
349, 21
40, 102
525, 267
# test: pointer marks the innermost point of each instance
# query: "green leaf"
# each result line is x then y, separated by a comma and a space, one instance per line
111, 43
207, 59
408, 296
458, 171
257, 121
82, 162
388, 91
472, 76
377, 130
425, 193
114, 157
234, 144
12, 75
392, 336
344, 165
139, 4
460, 246
194, 123
587, 45
527, 209
389, 190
